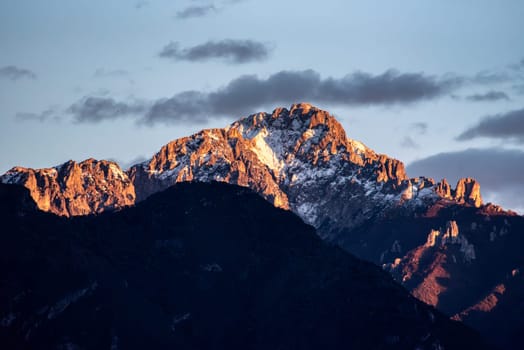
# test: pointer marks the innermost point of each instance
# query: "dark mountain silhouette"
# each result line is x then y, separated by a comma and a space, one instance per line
199, 266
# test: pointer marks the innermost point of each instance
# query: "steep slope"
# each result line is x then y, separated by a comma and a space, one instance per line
463, 260
75, 188
200, 266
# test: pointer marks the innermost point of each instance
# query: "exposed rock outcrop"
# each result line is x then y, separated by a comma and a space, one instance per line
467, 191
75, 188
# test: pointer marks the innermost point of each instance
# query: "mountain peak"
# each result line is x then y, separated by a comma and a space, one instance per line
298, 158
76, 188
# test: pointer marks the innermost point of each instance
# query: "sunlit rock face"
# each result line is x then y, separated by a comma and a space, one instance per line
466, 191
75, 188
298, 159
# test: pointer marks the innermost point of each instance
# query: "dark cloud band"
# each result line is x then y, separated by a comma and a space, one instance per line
250, 93
503, 126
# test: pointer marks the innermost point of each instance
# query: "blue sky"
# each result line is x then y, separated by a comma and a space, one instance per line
56, 54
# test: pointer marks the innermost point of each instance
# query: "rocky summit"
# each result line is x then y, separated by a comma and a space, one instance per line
73, 188
298, 159
430, 236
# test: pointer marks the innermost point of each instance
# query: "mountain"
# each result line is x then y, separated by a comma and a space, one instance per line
199, 266
429, 236
75, 188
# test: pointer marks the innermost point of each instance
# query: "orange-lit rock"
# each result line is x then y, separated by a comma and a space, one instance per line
75, 188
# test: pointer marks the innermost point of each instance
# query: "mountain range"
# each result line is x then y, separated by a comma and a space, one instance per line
443, 244
198, 266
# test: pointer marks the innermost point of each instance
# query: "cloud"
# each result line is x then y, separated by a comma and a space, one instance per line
15, 73
488, 96
499, 172
96, 109
492, 77
104, 73
141, 4
504, 126
249, 93
408, 142
420, 127
195, 11
204, 10
231, 51
519, 66
52, 113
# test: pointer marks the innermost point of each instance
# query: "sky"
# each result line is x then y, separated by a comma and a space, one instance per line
437, 85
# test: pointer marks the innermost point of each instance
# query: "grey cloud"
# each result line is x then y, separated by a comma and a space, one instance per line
408, 142
499, 172
420, 127
196, 11
104, 73
517, 66
503, 126
488, 96
492, 77
248, 93
15, 73
141, 4
204, 10
49, 114
96, 109
232, 51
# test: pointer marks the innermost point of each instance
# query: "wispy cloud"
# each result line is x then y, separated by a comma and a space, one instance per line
420, 127
141, 4
504, 126
488, 96
96, 109
50, 114
205, 9
195, 11
15, 73
231, 51
408, 142
105, 73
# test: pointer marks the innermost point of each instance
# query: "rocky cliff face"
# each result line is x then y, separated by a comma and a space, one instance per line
75, 188
466, 191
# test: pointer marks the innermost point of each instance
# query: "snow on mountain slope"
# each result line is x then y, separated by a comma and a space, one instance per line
300, 159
